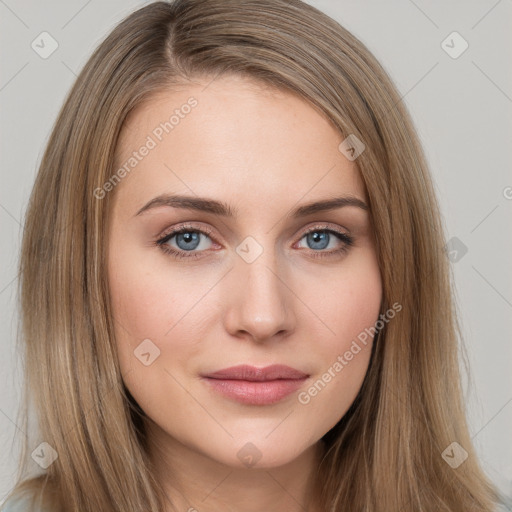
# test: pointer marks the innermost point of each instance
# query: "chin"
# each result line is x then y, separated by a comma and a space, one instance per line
261, 454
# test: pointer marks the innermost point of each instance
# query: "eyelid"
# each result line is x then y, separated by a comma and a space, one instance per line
184, 226
319, 226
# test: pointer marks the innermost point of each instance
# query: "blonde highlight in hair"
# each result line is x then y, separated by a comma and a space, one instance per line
385, 453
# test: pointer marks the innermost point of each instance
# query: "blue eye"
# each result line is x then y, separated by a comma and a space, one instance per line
319, 238
188, 240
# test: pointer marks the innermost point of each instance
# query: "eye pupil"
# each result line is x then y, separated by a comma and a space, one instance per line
188, 237
319, 237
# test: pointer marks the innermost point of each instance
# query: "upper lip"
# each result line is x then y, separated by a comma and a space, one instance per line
252, 373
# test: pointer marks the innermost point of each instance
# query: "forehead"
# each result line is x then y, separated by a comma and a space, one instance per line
234, 134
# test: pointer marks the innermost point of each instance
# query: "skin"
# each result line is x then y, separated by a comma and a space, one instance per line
263, 152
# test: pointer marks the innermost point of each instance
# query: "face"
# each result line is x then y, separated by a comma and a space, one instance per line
253, 278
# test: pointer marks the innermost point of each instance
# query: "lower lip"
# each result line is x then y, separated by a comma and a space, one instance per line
256, 393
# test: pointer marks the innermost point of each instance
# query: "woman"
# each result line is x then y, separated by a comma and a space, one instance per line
191, 341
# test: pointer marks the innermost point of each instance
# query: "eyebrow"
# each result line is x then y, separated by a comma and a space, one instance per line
215, 207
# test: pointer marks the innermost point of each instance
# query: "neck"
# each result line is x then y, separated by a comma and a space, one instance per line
194, 482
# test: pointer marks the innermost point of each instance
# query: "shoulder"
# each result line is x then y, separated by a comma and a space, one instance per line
20, 503
17, 504
505, 507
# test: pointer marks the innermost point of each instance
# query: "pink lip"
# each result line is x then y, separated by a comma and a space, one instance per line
251, 373
256, 386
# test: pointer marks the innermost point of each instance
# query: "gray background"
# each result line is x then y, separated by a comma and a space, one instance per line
461, 107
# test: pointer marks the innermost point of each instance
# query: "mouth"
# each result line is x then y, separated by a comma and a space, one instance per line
256, 386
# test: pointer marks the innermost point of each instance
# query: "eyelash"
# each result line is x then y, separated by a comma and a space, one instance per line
343, 237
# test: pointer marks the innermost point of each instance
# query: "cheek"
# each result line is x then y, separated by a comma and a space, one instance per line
349, 308
153, 301
143, 307
148, 295
146, 307
349, 300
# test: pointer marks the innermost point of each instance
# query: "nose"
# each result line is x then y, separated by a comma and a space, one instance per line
260, 301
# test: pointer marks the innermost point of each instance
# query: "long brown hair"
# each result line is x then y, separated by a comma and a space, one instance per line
386, 452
